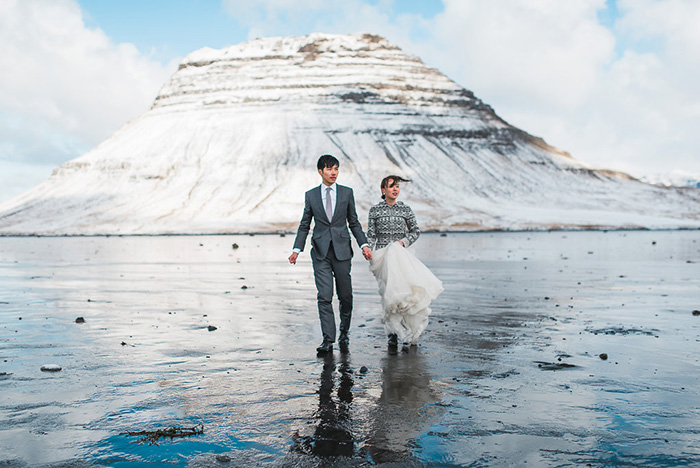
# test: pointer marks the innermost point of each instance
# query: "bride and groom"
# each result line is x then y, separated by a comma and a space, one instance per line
405, 284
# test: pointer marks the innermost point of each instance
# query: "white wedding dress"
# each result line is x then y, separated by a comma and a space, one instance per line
407, 287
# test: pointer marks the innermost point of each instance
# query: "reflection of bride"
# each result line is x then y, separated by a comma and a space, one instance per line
404, 410
406, 285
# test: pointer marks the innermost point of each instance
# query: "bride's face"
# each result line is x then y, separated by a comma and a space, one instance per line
392, 191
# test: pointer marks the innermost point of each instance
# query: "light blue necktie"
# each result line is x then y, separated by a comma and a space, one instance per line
329, 207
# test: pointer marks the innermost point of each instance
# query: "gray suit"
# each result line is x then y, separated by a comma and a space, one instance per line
331, 254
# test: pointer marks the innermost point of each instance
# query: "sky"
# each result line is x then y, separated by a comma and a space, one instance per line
612, 82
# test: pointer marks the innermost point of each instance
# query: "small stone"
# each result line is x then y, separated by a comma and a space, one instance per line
51, 368
211, 328
696, 312
80, 320
123, 343
363, 370
244, 287
223, 458
603, 356
234, 246
443, 234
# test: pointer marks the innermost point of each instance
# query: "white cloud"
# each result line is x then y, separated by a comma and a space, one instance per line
625, 98
65, 87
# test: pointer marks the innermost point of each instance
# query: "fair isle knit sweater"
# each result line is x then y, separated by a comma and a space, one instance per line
389, 224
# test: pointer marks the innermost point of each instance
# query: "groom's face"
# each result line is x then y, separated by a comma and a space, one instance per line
329, 174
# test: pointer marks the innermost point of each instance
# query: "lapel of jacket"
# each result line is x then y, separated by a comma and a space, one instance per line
339, 193
317, 200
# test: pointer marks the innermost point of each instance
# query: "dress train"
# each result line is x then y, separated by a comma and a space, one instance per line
406, 287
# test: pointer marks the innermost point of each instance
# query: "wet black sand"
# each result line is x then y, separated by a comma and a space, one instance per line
509, 372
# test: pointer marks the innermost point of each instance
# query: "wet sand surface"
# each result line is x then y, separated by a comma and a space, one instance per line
508, 373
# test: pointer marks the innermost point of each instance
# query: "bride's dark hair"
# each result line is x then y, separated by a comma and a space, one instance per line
390, 181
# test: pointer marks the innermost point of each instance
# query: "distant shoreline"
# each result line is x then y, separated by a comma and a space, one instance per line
283, 234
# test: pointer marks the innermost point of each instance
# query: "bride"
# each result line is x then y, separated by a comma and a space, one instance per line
406, 285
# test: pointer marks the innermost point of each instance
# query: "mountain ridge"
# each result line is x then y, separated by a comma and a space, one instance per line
230, 145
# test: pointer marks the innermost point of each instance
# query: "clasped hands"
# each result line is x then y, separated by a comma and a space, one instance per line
366, 252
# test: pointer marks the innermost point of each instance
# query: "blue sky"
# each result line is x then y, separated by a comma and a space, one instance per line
173, 28
614, 83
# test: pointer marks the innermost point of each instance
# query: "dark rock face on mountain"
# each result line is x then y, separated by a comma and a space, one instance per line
231, 142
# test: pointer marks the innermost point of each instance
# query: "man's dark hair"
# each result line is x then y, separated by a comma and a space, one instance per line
327, 161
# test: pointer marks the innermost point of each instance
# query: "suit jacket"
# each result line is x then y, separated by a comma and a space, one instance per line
325, 230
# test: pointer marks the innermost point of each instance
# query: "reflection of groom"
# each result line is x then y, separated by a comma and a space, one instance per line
332, 208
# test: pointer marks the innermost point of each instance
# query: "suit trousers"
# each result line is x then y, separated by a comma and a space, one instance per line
324, 272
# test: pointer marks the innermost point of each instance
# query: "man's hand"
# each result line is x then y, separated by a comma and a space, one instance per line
293, 258
367, 253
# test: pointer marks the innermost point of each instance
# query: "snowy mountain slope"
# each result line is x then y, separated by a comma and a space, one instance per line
231, 142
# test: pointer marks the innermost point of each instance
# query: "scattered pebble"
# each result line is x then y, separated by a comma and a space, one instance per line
123, 343
211, 328
244, 287
363, 370
696, 312
51, 368
80, 320
234, 246
223, 458
603, 356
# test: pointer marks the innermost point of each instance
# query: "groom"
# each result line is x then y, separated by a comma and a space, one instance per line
332, 207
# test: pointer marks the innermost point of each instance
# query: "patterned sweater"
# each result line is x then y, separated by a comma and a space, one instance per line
389, 224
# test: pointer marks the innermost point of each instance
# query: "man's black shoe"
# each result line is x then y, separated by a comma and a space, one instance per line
325, 347
344, 339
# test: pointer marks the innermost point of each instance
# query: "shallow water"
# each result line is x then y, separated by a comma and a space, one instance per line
507, 373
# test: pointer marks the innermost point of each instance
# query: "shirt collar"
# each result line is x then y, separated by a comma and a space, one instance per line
332, 187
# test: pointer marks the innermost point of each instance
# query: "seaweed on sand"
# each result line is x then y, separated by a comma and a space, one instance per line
152, 437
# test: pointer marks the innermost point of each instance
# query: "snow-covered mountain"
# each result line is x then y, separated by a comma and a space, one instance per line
231, 142
673, 179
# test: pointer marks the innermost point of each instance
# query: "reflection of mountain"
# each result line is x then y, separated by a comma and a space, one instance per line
332, 435
230, 145
401, 415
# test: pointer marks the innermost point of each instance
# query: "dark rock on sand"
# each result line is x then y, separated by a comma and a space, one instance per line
554, 365
696, 312
211, 328
223, 458
621, 331
234, 246
80, 320
603, 356
51, 368
363, 370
